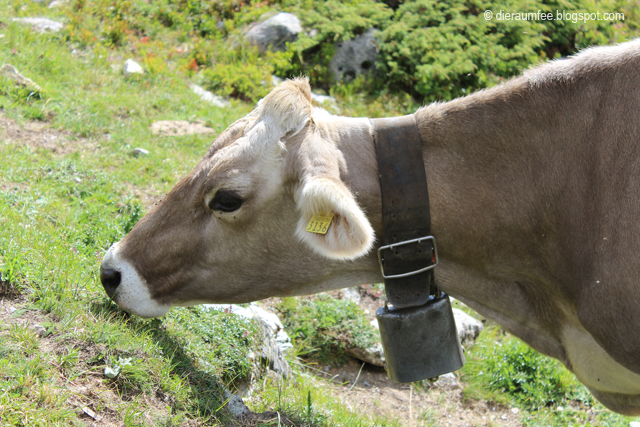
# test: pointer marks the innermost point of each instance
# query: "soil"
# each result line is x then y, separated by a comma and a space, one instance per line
96, 403
366, 389
40, 134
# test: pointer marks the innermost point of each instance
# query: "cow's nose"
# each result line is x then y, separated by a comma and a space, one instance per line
110, 280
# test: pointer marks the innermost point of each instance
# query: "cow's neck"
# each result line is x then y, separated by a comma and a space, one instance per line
492, 190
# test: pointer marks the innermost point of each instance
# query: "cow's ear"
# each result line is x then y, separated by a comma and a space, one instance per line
286, 109
321, 192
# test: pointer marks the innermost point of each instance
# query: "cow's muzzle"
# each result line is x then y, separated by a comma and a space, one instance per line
110, 280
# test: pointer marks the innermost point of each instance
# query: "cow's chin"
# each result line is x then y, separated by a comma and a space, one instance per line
625, 404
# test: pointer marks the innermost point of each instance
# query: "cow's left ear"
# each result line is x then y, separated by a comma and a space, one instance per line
349, 235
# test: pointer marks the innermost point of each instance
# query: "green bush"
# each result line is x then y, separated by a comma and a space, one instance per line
441, 50
324, 328
508, 367
430, 49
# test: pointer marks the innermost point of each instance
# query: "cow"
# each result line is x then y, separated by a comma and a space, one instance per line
534, 187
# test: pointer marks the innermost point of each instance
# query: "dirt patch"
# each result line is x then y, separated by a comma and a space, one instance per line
42, 135
179, 128
366, 389
96, 400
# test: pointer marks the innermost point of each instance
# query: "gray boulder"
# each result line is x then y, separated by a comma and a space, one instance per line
131, 68
355, 57
275, 32
468, 327
41, 25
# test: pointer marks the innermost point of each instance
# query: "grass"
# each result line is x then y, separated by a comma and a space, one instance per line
61, 210
66, 198
502, 369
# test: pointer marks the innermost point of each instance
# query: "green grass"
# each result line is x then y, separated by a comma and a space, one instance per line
60, 211
502, 369
59, 214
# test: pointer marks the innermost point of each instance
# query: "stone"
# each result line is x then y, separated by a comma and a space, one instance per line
446, 380
350, 294
209, 97
468, 327
275, 32
137, 152
355, 57
40, 330
41, 25
373, 355
12, 73
235, 405
131, 68
57, 3
325, 101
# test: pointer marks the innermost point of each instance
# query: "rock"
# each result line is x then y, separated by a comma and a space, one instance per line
446, 380
137, 152
131, 68
57, 3
326, 101
179, 128
350, 294
235, 405
634, 424
468, 327
275, 32
10, 72
373, 355
40, 330
41, 25
355, 57
209, 97
275, 81
515, 411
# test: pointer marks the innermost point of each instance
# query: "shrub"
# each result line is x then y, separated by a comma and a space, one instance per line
505, 365
325, 327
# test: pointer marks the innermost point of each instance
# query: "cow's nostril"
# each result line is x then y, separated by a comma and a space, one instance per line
110, 280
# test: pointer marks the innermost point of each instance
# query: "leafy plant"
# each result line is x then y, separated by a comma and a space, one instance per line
220, 341
325, 327
506, 366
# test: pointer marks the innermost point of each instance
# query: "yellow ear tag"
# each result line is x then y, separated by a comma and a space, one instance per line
320, 223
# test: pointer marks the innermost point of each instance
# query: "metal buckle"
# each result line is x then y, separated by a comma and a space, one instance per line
407, 242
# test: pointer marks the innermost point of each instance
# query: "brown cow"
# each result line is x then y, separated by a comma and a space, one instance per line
535, 200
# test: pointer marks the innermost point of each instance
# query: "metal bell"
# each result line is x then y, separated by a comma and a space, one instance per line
420, 342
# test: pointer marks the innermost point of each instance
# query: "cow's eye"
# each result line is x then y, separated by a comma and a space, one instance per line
225, 201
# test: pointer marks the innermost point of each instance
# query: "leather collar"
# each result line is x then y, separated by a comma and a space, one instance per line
408, 251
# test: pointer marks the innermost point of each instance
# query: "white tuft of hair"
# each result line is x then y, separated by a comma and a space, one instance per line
350, 234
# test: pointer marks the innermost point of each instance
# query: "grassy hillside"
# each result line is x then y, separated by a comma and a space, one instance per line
70, 187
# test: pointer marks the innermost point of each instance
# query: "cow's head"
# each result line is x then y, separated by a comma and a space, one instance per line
233, 230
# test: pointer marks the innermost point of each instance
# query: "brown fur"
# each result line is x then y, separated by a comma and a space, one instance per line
535, 194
